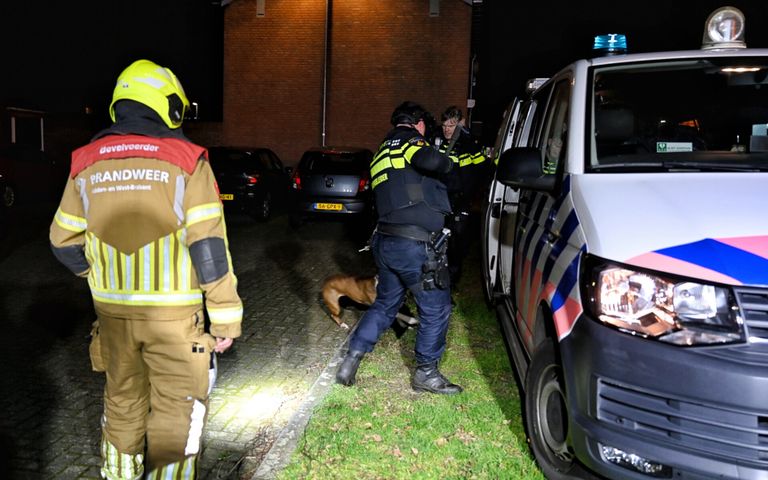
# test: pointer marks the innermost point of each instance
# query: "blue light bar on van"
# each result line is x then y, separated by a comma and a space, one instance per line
610, 44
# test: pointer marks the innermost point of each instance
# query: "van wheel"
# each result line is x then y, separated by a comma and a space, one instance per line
546, 416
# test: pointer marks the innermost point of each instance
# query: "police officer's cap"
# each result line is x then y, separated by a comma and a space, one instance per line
408, 113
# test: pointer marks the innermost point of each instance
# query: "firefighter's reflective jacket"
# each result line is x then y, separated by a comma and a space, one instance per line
141, 218
403, 176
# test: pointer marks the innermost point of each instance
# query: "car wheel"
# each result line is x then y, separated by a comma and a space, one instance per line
263, 209
9, 196
546, 416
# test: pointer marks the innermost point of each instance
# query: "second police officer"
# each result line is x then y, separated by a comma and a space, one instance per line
464, 182
412, 204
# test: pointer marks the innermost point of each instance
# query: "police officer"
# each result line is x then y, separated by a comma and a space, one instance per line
411, 204
464, 182
141, 218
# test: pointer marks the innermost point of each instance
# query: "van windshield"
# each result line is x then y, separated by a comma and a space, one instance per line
684, 115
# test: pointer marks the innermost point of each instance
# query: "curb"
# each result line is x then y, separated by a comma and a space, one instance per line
279, 455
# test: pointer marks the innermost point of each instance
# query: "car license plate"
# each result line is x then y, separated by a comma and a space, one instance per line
327, 206
226, 196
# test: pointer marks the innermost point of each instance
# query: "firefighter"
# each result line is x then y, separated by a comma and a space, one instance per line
412, 205
141, 219
464, 182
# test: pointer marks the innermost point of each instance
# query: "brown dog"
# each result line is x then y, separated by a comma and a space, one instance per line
360, 290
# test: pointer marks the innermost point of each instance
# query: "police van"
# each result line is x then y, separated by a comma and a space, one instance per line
626, 252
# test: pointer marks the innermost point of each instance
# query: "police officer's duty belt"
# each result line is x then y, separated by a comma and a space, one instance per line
413, 232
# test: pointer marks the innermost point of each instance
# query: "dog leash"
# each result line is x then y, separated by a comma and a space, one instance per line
367, 246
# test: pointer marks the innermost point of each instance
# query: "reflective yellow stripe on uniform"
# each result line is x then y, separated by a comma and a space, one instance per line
131, 297
120, 466
390, 158
127, 263
148, 258
225, 315
378, 180
465, 159
69, 222
111, 253
159, 272
379, 166
92, 256
182, 470
408, 153
203, 212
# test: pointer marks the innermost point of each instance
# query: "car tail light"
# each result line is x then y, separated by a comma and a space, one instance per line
296, 180
364, 185
252, 179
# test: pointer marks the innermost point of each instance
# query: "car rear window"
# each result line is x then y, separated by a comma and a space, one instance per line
336, 163
237, 161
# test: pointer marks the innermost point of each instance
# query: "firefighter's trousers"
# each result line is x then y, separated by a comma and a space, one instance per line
159, 377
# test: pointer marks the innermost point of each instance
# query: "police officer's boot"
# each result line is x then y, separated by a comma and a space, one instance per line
346, 372
427, 378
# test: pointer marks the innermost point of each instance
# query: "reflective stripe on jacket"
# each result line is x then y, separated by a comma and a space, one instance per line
405, 193
469, 172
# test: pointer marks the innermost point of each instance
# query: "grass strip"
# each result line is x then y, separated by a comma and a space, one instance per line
382, 429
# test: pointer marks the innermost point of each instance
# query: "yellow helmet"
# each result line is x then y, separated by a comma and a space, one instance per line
154, 86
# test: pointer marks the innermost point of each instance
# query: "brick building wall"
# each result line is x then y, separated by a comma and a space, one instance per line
381, 53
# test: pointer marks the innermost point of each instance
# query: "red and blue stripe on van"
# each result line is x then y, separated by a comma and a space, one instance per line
733, 261
550, 243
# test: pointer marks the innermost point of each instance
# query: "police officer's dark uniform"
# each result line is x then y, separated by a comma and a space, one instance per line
464, 182
411, 204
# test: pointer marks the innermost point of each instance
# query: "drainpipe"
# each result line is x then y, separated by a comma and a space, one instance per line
326, 63
476, 28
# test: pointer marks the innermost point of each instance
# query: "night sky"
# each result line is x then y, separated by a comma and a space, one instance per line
64, 55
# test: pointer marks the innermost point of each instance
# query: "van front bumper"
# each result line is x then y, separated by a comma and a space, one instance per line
702, 412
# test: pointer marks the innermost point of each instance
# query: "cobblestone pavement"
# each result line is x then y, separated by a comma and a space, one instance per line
51, 401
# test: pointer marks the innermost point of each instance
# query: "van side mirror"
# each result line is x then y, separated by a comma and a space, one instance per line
521, 168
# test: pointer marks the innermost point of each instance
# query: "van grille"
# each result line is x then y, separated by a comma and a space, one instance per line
707, 429
754, 308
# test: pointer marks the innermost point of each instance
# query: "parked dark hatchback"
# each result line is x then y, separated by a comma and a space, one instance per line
333, 182
251, 180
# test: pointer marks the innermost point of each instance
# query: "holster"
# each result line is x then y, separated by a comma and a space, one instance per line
434, 272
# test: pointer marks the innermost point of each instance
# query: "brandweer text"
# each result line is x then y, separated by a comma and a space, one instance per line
130, 174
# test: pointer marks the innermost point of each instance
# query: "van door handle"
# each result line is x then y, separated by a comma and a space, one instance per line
496, 210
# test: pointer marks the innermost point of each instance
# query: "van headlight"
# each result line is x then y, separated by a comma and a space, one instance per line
660, 306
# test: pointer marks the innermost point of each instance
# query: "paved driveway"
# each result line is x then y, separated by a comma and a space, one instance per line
51, 401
